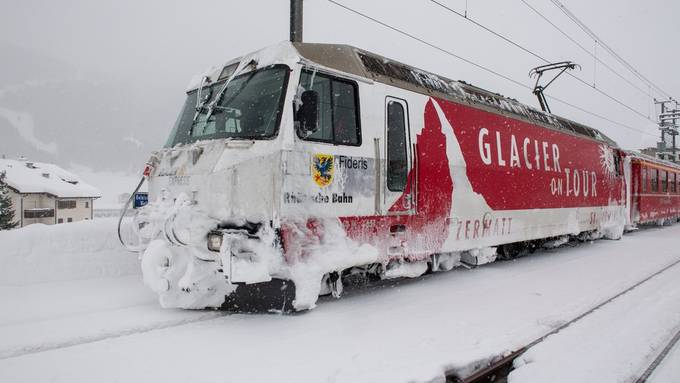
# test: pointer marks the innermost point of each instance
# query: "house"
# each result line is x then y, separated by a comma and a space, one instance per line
46, 193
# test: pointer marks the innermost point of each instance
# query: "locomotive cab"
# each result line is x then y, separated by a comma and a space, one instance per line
238, 159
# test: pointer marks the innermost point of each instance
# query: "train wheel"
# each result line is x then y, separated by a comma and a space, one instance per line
335, 284
331, 284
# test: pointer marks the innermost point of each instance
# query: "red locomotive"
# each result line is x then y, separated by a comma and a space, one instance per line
307, 163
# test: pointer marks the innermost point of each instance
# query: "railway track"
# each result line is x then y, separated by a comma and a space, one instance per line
498, 370
237, 304
660, 358
495, 372
143, 328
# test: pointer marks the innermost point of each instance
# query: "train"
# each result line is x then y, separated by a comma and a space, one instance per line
654, 190
300, 166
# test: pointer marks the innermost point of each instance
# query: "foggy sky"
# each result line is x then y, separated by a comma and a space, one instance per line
161, 44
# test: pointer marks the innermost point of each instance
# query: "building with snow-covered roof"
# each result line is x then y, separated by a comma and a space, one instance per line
46, 193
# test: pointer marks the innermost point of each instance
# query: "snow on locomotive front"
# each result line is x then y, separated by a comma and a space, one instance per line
213, 189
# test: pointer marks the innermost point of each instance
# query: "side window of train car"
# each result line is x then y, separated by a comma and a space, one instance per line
338, 120
617, 164
664, 181
654, 179
396, 147
643, 180
672, 182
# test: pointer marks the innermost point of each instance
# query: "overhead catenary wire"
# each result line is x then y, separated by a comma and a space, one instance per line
482, 67
584, 49
513, 43
606, 46
448, 52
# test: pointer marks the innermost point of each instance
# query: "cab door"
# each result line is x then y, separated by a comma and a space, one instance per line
399, 180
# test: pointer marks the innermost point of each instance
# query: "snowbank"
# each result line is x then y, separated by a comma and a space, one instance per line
81, 250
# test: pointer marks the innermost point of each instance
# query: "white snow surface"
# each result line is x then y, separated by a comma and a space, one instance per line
607, 343
110, 328
335, 253
47, 253
282, 52
38, 177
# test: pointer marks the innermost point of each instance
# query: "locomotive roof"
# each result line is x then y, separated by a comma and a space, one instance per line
372, 66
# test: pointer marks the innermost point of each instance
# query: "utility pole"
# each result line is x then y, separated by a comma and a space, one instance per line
675, 125
668, 125
295, 21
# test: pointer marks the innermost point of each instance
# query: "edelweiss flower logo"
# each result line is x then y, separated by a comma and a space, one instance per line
607, 161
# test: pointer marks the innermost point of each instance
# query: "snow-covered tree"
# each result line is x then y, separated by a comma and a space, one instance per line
6, 210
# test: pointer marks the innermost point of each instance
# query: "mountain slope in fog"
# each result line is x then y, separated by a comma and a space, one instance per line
54, 113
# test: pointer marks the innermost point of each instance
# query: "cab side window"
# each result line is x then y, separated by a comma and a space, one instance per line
396, 147
338, 113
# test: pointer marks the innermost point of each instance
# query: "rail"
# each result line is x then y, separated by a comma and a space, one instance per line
659, 358
499, 370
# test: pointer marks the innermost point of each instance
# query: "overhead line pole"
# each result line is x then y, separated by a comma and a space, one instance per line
296, 21
668, 125
675, 124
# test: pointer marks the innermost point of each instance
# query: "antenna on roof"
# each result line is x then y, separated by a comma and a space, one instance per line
295, 21
538, 73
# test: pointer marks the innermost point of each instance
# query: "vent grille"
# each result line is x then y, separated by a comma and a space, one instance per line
379, 66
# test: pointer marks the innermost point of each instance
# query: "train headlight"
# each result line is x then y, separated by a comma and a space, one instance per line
214, 241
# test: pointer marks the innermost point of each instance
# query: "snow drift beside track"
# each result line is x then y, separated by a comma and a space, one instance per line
81, 250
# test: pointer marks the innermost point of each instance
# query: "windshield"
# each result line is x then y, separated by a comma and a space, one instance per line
249, 108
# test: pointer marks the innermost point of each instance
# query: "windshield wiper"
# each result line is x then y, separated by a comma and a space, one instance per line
220, 94
200, 104
214, 105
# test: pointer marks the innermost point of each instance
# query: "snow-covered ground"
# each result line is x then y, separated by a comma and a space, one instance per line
101, 324
613, 343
